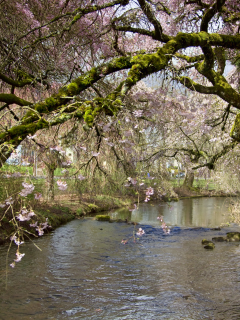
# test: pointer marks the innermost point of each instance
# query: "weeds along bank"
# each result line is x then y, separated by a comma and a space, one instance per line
26, 213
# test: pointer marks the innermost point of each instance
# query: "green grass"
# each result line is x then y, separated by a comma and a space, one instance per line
200, 183
6, 168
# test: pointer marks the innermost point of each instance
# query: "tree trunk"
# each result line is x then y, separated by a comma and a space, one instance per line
189, 178
50, 180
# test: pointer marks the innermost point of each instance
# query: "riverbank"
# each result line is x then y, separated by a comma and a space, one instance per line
64, 209
67, 207
184, 193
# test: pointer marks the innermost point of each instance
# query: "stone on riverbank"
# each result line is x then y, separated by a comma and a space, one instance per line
233, 236
208, 244
219, 239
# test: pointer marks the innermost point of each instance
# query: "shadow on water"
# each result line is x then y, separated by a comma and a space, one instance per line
85, 272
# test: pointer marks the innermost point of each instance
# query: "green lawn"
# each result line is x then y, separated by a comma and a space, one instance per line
198, 183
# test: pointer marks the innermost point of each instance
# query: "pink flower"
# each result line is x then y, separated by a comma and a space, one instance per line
33, 225
80, 177
37, 195
28, 189
95, 154
9, 201
25, 215
140, 232
19, 256
40, 231
62, 185
150, 191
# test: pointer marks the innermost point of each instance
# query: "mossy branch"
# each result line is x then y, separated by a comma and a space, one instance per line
10, 98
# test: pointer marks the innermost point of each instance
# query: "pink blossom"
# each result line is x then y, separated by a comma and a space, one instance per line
28, 186
19, 256
150, 191
40, 231
62, 185
44, 225
80, 177
37, 195
95, 154
25, 215
140, 232
138, 113
67, 163
33, 225
13, 238
9, 201
147, 199
18, 242
12, 265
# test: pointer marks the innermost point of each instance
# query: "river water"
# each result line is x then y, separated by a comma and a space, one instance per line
85, 272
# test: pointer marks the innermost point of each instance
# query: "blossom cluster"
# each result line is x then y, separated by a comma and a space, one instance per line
165, 228
8, 202
149, 192
25, 215
140, 232
81, 177
19, 255
19, 258
40, 228
37, 195
67, 163
28, 189
62, 185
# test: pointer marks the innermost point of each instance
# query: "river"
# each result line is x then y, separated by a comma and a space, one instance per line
85, 272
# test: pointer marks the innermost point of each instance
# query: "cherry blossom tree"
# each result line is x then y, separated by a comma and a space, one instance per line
55, 58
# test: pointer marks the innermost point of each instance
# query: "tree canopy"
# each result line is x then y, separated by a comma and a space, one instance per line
80, 60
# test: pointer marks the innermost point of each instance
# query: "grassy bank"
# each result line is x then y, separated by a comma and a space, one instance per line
65, 208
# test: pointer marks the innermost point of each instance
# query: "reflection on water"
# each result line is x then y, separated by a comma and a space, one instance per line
84, 272
200, 212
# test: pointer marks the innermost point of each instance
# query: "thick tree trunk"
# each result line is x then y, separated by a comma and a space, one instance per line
189, 178
50, 180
